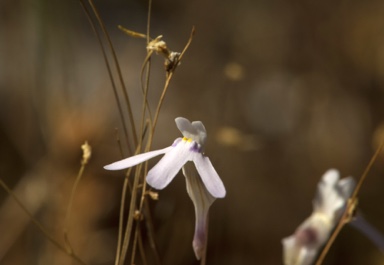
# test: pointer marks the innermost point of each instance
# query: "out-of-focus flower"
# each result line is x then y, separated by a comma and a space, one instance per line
332, 194
203, 183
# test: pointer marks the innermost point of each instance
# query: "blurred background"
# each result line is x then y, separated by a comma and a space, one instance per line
285, 89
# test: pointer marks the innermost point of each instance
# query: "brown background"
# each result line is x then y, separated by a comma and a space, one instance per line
286, 90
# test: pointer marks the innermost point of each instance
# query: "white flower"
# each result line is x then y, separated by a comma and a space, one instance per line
203, 182
332, 194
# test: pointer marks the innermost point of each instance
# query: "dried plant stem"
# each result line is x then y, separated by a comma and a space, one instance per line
144, 88
150, 137
147, 62
117, 65
136, 239
126, 185
121, 216
40, 226
350, 207
141, 249
122, 251
149, 20
93, 26
166, 85
121, 220
70, 204
150, 231
366, 171
132, 208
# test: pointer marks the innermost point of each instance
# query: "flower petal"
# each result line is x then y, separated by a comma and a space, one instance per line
186, 128
346, 186
328, 199
294, 254
166, 169
201, 132
137, 159
202, 200
209, 176
302, 247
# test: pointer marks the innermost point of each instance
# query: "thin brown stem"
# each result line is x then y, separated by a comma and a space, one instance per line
145, 88
150, 137
137, 233
350, 207
127, 235
141, 249
151, 231
93, 26
40, 226
117, 65
166, 85
366, 171
69, 208
121, 215
132, 207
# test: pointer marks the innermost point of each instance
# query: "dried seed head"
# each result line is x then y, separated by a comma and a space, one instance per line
87, 152
138, 216
154, 195
172, 61
159, 46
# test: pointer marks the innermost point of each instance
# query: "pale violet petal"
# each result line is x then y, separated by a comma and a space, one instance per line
303, 246
186, 128
289, 250
328, 199
201, 132
331, 176
209, 176
137, 159
294, 254
199, 126
202, 200
166, 169
346, 186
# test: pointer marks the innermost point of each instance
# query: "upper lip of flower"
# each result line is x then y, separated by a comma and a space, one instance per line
188, 148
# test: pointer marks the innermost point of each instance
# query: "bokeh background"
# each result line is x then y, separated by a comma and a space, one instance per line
286, 90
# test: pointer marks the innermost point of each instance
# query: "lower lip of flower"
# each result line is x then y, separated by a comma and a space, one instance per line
195, 147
